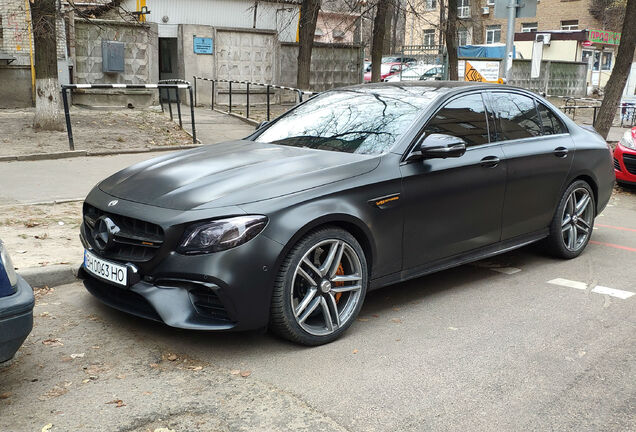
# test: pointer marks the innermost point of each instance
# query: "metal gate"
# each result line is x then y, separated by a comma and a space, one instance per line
430, 55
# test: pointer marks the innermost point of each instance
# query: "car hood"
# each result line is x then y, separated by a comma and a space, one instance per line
232, 173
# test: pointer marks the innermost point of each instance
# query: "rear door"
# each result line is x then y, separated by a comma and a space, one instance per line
539, 151
454, 205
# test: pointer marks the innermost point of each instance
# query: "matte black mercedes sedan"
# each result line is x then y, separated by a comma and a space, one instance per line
353, 190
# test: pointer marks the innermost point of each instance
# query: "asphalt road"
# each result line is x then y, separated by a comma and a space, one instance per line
483, 347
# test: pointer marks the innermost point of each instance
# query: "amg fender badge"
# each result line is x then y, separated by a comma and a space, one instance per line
385, 202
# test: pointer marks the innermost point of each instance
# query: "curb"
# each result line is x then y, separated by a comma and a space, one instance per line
85, 153
51, 276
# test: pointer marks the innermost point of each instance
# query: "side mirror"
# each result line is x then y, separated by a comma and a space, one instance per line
262, 124
436, 146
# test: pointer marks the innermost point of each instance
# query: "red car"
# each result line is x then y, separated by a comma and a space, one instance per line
386, 70
625, 158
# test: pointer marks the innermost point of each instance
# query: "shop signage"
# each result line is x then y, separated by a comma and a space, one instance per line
604, 37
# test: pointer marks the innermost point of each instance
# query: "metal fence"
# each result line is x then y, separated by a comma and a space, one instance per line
248, 87
165, 85
625, 110
434, 55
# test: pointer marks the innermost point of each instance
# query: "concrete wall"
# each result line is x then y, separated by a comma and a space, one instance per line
556, 78
15, 86
140, 58
195, 64
331, 65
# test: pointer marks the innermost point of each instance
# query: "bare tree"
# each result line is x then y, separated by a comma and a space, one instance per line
477, 22
48, 113
379, 32
618, 78
451, 40
307, 29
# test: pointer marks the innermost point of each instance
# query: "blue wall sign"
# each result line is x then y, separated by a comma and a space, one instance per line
203, 45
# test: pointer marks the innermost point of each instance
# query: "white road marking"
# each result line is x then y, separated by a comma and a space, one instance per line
597, 289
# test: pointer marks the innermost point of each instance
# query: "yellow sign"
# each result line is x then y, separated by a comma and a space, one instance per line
472, 74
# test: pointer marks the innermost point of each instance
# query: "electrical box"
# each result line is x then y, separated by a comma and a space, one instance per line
112, 56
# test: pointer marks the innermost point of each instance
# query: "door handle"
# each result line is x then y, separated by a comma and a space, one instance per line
490, 161
561, 152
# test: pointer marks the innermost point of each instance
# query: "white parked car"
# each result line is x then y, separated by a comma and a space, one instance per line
416, 73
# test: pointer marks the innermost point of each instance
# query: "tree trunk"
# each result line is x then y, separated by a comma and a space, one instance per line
394, 27
379, 31
618, 78
307, 29
477, 33
388, 35
48, 113
451, 40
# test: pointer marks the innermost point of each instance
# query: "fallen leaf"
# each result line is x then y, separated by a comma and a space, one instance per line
85, 381
172, 357
147, 393
79, 355
235, 372
122, 376
52, 342
44, 314
196, 368
375, 316
154, 365
163, 430
396, 320
5, 395
363, 319
355, 351
452, 328
245, 374
47, 427
395, 309
117, 402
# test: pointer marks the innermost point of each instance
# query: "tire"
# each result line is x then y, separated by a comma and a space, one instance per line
310, 291
563, 242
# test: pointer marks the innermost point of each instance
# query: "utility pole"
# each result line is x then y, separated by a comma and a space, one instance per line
510, 37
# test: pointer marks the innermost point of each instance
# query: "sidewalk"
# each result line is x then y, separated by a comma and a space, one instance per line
213, 126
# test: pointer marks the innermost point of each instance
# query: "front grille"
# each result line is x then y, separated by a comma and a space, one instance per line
136, 241
208, 304
617, 165
122, 299
630, 163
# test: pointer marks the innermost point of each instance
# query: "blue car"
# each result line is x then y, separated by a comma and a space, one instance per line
16, 308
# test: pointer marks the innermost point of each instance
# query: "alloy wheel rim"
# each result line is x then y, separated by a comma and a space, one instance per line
326, 287
576, 221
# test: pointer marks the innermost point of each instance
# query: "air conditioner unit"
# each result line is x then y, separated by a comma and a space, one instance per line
485, 10
543, 37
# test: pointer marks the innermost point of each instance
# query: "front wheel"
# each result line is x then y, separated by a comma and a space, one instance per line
572, 225
320, 288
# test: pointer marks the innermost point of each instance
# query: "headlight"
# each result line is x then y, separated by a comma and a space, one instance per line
221, 234
628, 140
8, 265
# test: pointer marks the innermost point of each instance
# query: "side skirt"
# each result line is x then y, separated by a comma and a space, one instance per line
460, 259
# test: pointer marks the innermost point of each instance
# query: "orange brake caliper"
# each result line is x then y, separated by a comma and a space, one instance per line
340, 271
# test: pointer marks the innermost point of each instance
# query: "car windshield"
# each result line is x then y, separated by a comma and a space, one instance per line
358, 120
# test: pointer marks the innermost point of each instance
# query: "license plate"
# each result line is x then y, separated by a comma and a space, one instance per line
107, 270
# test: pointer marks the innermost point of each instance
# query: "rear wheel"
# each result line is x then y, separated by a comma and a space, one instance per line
320, 288
573, 221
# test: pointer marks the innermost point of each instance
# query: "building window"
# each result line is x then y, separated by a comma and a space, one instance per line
463, 37
428, 37
463, 8
431, 4
586, 55
606, 63
490, 2
493, 34
529, 27
570, 25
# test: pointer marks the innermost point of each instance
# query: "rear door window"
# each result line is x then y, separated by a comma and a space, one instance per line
463, 117
551, 123
517, 114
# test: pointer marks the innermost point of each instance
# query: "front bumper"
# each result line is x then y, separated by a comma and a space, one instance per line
625, 164
228, 290
16, 319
